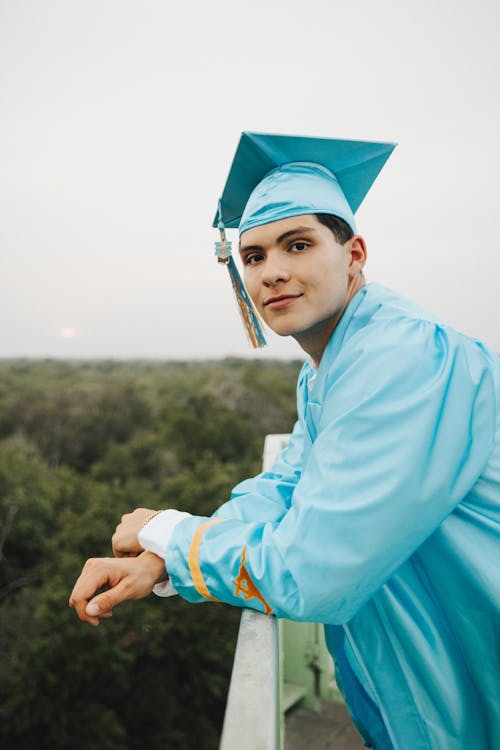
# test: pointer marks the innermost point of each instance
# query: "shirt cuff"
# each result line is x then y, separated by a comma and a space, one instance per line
155, 536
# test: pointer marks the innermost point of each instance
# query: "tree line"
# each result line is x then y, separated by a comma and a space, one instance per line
82, 443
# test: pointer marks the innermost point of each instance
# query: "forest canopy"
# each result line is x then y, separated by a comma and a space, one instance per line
81, 443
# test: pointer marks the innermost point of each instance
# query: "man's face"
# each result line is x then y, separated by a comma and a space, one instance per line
297, 276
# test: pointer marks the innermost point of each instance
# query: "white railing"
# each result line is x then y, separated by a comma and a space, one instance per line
277, 664
253, 715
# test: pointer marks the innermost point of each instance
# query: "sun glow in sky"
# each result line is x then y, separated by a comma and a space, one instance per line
67, 332
118, 122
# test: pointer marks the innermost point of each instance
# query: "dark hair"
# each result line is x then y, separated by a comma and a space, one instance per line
340, 228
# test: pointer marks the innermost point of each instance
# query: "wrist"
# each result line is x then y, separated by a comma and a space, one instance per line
155, 566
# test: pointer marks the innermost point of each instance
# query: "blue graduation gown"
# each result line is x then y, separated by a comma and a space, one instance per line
381, 520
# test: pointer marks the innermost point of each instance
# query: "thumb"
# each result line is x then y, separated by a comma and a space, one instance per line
108, 599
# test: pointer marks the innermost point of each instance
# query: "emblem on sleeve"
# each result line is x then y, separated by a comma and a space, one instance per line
246, 587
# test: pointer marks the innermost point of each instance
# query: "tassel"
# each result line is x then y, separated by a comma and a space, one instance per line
248, 313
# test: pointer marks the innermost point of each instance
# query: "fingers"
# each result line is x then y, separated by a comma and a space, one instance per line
125, 543
102, 605
96, 573
118, 542
127, 578
93, 576
125, 539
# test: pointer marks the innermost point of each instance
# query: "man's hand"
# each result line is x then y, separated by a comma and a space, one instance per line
127, 578
124, 540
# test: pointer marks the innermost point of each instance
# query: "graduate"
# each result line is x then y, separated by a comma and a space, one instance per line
381, 518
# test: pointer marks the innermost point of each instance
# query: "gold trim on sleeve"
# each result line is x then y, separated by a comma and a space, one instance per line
194, 559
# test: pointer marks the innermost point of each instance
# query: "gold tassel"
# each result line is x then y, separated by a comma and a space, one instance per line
248, 313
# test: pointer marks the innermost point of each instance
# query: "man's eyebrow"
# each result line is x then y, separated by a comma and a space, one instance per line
292, 232
279, 240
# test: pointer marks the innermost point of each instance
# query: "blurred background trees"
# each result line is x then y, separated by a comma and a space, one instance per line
81, 444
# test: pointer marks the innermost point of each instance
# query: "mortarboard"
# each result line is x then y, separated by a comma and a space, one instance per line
274, 177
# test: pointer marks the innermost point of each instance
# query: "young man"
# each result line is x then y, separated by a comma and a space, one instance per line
381, 518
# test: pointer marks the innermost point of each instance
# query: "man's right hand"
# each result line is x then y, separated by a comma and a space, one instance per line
124, 541
131, 578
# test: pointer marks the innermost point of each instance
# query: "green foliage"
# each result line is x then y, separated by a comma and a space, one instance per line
81, 444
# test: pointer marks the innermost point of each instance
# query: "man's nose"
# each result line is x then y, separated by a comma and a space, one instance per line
275, 270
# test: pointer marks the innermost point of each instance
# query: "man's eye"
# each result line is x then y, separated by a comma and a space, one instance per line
250, 260
299, 246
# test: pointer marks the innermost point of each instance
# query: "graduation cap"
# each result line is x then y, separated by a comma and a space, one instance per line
274, 177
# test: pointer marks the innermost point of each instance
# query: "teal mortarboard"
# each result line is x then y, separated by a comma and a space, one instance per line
275, 177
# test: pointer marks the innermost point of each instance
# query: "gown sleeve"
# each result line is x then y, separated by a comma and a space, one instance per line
267, 497
405, 427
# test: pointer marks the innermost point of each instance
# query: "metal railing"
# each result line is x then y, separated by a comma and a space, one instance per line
277, 664
253, 715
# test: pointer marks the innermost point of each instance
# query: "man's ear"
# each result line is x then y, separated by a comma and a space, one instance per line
358, 254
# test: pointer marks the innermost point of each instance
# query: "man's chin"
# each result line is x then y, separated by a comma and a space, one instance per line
286, 331
297, 329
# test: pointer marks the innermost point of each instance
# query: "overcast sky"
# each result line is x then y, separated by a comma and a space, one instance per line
118, 122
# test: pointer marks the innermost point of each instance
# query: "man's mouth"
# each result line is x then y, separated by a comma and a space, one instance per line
282, 300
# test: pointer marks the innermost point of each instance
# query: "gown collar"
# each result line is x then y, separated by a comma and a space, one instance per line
316, 377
